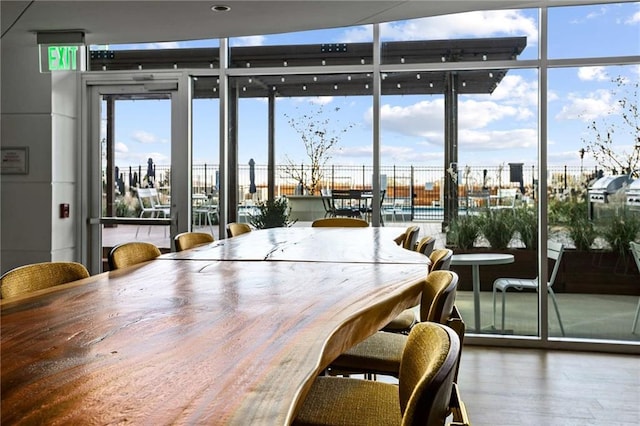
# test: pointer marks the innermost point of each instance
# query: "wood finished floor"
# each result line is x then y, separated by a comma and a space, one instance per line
504, 386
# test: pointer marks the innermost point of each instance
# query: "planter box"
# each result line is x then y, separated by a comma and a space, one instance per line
306, 208
598, 272
587, 272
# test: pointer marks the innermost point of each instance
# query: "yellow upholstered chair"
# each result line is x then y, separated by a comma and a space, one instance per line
132, 253
234, 229
426, 245
381, 353
38, 276
425, 393
409, 238
188, 240
343, 222
440, 261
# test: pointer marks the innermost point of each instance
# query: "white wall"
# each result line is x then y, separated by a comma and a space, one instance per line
31, 230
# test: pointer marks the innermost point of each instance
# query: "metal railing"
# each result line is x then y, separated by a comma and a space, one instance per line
422, 187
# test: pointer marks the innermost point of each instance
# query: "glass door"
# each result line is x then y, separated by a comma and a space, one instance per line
130, 151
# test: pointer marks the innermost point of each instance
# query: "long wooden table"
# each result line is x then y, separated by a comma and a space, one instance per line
207, 336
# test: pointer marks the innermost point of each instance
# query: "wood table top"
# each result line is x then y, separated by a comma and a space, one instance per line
306, 244
192, 341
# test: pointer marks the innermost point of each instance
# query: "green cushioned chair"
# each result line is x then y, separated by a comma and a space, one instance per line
440, 260
381, 353
423, 396
38, 276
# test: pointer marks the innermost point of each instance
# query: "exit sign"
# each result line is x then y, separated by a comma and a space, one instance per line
62, 58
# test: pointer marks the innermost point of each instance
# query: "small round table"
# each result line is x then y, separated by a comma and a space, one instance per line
475, 260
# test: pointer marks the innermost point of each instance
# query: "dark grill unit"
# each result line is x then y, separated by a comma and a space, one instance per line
633, 194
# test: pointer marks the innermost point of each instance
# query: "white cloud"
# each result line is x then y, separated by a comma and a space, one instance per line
634, 19
315, 100
257, 40
121, 147
516, 90
592, 73
498, 139
144, 137
471, 24
594, 105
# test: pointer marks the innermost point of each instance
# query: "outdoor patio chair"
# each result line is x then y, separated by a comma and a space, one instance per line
425, 393
151, 206
132, 253
635, 251
505, 198
397, 209
38, 276
189, 240
554, 252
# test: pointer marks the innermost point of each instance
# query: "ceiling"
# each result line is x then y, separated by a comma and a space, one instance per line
157, 21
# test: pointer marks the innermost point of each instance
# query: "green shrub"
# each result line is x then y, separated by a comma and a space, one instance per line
620, 231
498, 226
526, 225
464, 231
272, 214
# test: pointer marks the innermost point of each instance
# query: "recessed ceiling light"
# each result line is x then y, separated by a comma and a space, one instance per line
220, 8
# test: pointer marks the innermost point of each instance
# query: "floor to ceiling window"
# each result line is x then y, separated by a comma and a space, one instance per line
460, 142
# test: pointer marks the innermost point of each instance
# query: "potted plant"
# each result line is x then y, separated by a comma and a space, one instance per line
272, 214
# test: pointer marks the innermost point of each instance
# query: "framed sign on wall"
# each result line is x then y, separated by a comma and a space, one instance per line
14, 160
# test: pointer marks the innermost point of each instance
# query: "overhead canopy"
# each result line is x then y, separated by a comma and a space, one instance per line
318, 56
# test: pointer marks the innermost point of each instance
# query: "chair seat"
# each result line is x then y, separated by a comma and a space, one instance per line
402, 323
380, 353
518, 283
352, 402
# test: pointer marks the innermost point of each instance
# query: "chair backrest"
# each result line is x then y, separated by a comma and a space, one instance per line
440, 259
38, 276
427, 369
554, 251
188, 240
438, 296
234, 229
411, 237
507, 196
148, 198
344, 222
635, 252
132, 253
426, 245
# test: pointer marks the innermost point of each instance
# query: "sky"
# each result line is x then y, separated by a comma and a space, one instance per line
494, 129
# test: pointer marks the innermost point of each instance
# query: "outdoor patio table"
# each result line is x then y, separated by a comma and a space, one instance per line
204, 338
475, 260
